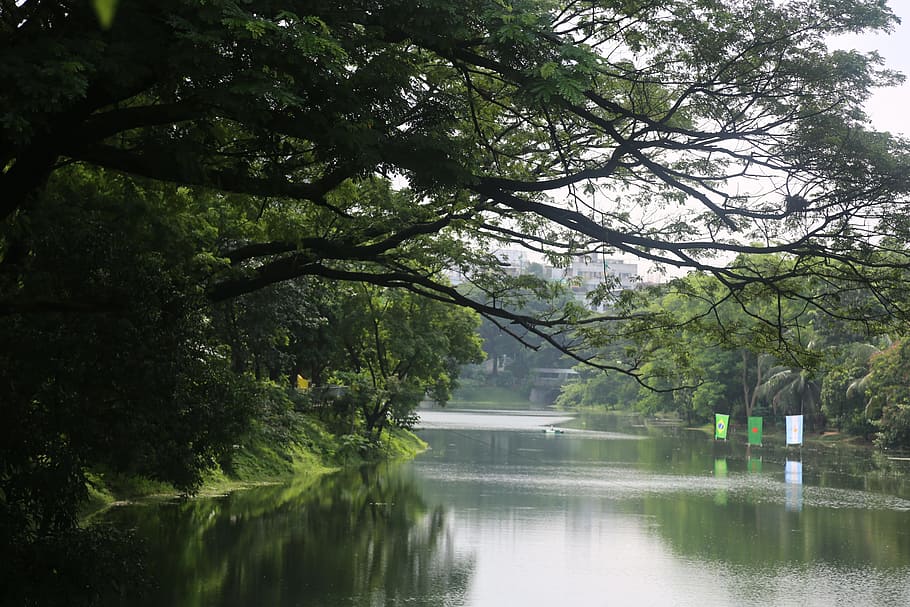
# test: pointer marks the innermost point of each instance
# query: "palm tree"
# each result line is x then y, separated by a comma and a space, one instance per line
859, 385
793, 390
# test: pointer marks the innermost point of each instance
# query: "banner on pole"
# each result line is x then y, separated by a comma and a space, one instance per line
794, 429
721, 421
755, 430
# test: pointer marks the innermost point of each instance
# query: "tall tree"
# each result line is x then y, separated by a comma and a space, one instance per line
108, 360
401, 349
658, 129
888, 399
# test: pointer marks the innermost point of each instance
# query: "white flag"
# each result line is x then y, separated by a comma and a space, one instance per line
794, 429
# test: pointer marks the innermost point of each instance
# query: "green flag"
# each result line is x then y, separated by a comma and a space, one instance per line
755, 430
721, 421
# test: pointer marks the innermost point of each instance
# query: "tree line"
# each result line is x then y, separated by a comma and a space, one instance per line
714, 353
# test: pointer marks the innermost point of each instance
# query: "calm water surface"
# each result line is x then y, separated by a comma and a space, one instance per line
499, 513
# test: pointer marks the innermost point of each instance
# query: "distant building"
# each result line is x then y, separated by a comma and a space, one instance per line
587, 273
515, 262
583, 275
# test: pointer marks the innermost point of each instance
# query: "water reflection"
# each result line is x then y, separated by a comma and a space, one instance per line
678, 520
492, 517
793, 477
720, 471
364, 537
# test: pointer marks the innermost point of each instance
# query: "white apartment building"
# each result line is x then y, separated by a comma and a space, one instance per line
583, 275
587, 273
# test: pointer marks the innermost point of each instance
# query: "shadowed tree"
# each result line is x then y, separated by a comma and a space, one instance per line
793, 391
399, 349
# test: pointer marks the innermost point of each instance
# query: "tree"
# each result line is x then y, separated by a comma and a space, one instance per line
842, 404
279, 331
703, 349
790, 390
108, 361
559, 126
399, 349
598, 389
513, 350
889, 400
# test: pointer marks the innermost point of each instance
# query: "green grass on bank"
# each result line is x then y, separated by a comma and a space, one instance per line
773, 435
598, 418
306, 451
489, 397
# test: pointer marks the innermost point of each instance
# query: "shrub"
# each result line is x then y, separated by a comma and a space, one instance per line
894, 428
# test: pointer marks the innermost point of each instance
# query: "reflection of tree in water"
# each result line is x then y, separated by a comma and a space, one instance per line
761, 531
853, 506
360, 537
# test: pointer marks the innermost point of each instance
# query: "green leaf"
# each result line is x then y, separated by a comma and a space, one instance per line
105, 11
548, 69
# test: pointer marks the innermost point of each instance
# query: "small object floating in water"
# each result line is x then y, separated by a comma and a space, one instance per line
553, 430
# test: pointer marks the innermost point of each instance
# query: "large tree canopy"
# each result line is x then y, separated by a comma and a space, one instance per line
662, 129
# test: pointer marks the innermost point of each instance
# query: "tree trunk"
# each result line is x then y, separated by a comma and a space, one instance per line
375, 416
750, 396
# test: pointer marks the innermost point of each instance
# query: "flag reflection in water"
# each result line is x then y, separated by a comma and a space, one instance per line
793, 477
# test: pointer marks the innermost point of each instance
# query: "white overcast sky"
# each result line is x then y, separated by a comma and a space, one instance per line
889, 109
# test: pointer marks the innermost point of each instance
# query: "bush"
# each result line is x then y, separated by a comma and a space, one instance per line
894, 428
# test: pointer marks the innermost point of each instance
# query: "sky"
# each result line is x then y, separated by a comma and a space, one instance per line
888, 108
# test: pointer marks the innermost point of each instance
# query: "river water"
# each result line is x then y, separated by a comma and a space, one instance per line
500, 513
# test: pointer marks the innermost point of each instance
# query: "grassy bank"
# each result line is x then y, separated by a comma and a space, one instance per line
489, 397
597, 418
774, 435
302, 451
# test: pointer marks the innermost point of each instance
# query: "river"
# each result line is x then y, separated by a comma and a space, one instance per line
499, 513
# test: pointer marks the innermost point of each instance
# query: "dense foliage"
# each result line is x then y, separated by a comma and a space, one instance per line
114, 360
664, 130
714, 356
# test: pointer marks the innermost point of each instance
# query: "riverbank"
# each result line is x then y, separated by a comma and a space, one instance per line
777, 436
473, 396
304, 451
593, 418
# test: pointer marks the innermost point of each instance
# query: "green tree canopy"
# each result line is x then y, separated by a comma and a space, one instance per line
399, 348
661, 130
